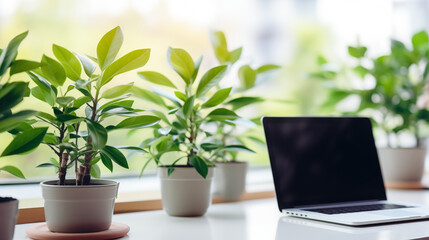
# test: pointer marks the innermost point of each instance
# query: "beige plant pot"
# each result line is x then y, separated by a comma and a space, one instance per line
402, 164
185, 193
79, 209
230, 180
8, 215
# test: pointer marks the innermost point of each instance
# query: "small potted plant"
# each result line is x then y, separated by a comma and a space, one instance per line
388, 88
83, 204
11, 94
230, 174
181, 145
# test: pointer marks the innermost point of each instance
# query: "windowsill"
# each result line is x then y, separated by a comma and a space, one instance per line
135, 194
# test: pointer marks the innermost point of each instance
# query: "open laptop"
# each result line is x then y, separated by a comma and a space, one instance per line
327, 168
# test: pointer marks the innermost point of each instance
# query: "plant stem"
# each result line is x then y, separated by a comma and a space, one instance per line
63, 158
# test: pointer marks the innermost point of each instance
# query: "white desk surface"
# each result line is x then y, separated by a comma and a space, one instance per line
260, 220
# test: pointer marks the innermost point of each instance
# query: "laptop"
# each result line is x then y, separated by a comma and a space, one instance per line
327, 168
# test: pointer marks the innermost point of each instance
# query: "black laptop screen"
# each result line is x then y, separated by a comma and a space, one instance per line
318, 160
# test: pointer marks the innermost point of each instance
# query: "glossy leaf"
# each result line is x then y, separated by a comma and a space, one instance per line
69, 61
220, 46
148, 95
8, 54
53, 71
180, 95
240, 102
106, 161
222, 114
11, 121
11, 94
200, 165
20, 66
13, 170
210, 79
95, 171
25, 141
109, 46
116, 91
115, 155
133, 60
217, 98
156, 78
357, 52
138, 122
420, 40
182, 63
64, 101
238, 148
97, 133
235, 55
46, 88
89, 66
188, 106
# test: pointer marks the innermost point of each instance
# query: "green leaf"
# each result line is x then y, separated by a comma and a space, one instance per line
95, 171
13, 170
148, 95
89, 66
133, 60
25, 141
200, 165
156, 78
69, 61
46, 89
210, 146
217, 98
53, 71
267, 68
210, 79
247, 76
80, 101
357, 52
12, 121
8, 54
420, 40
187, 107
109, 46
180, 95
46, 165
220, 46
115, 155
50, 138
238, 148
20, 66
11, 94
64, 101
222, 114
240, 102
139, 122
116, 91
97, 134
235, 55
106, 161
182, 63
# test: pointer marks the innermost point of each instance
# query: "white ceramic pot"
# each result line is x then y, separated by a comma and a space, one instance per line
185, 193
230, 180
79, 209
402, 164
8, 215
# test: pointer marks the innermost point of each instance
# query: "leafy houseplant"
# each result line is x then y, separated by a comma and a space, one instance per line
11, 94
83, 150
390, 86
181, 146
230, 175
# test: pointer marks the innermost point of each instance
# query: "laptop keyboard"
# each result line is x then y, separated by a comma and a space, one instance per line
357, 208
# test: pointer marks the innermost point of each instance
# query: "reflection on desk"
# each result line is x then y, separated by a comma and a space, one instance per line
260, 220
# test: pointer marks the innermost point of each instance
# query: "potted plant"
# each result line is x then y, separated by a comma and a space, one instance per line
11, 94
181, 146
230, 174
83, 204
388, 88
